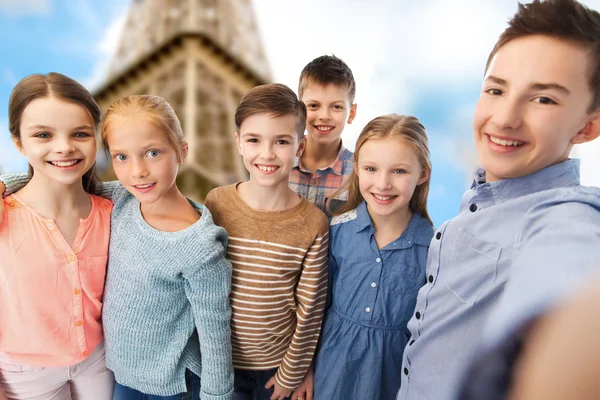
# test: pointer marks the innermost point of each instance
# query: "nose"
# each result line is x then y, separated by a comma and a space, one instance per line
508, 114
383, 181
324, 114
64, 146
138, 169
267, 151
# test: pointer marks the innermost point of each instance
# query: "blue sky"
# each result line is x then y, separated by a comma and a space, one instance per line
420, 58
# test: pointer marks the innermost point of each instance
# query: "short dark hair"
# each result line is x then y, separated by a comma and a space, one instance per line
275, 99
561, 19
327, 70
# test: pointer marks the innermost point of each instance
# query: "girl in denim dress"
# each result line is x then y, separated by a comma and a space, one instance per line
378, 250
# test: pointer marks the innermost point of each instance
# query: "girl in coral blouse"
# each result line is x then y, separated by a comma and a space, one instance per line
54, 238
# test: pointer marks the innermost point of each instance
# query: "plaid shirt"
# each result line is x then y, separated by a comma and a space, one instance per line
317, 188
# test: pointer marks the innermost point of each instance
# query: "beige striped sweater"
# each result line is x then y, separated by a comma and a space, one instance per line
279, 283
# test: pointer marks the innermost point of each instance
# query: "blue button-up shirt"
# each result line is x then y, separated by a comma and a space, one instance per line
538, 233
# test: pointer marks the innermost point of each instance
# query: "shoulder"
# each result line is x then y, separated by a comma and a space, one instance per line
423, 231
572, 208
219, 196
344, 218
102, 203
317, 218
11, 204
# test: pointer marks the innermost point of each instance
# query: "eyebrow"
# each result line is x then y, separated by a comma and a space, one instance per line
285, 135
50, 128
149, 146
535, 86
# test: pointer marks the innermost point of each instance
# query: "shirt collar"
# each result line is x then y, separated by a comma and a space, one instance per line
563, 174
336, 167
418, 231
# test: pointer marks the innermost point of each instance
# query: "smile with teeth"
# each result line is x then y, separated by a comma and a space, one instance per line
324, 128
267, 168
383, 198
67, 163
145, 186
507, 143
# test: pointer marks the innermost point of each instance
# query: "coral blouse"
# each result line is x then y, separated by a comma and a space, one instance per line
51, 291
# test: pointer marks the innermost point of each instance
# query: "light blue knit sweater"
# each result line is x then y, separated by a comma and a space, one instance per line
160, 286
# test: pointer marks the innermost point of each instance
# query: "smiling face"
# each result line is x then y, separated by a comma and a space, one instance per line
143, 159
58, 139
328, 111
388, 172
533, 106
269, 146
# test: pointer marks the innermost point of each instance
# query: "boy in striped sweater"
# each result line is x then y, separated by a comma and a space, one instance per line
278, 248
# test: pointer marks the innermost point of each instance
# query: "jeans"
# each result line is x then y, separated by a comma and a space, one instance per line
250, 385
127, 393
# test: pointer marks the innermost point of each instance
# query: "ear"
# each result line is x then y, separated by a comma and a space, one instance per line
352, 114
301, 147
590, 131
18, 145
237, 142
425, 175
184, 151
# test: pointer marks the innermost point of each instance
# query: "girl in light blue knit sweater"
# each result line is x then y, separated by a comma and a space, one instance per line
166, 311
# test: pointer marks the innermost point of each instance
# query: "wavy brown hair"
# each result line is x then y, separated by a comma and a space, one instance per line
402, 127
61, 87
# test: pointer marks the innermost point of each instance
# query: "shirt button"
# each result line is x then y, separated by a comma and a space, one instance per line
430, 278
378, 259
438, 235
473, 207
405, 371
77, 291
373, 284
79, 323
71, 258
313, 182
418, 315
368, 309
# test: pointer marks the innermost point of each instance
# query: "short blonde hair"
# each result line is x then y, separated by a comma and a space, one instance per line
154, 109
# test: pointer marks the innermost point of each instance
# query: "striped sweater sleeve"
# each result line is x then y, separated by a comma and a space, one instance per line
311, 295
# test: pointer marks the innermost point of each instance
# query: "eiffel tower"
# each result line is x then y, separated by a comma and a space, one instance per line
202, 56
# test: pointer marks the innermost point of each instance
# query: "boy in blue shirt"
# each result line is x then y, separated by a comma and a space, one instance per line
527, 232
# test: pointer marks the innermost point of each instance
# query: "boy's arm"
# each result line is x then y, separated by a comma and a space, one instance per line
560, 359
311, 295
207, 288
558, 251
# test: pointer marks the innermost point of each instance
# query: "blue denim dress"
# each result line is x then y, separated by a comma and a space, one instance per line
372, 296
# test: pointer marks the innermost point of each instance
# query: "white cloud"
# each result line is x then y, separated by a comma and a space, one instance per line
106, 48
17, 8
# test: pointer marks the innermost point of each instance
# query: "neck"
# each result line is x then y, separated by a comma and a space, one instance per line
52, 199
391, 226
320, 155
267, 198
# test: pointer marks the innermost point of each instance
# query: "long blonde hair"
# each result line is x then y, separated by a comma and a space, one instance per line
403, 127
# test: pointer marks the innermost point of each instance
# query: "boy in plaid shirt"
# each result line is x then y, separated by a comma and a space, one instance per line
327, 88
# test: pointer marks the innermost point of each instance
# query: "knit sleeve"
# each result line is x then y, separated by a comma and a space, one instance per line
108, 190
208, 285
13, 183
311, 294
